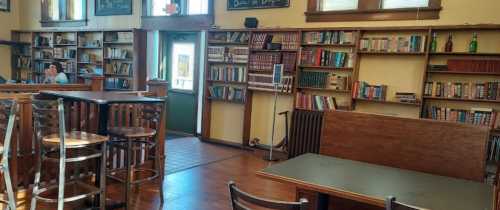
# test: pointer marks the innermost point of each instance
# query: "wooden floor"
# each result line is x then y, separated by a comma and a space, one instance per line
205, 187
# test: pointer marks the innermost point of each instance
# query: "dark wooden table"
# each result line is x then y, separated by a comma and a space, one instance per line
103, 100
371, 184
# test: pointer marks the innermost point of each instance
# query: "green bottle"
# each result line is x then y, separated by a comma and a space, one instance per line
434, 42
473, 43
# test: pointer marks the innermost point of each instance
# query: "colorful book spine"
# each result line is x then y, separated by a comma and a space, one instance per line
315, 102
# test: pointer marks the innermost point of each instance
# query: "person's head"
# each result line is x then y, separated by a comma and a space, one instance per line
56, 67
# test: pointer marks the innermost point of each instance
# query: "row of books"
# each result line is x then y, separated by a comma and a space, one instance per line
413, 43
40, 67
118, 68
264, 61
315, 102
68, 66
64, 53
117, 53
324, 80
232, 73
116, 83
121, 37
470, 65
229, 54
287, 41
265, 82
328, 37
44, 54
42, 41
23, 62
494, 148
475, 116
363, 90
230, 93
324, 57
229, 37
463, 90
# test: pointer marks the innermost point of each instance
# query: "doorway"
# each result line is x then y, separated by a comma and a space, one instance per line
182, 64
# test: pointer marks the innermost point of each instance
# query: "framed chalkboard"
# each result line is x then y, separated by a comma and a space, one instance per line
256, 4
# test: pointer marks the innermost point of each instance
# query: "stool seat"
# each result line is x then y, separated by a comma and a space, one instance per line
131, 132
75, 138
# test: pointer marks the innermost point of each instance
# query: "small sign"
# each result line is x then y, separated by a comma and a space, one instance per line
278, 74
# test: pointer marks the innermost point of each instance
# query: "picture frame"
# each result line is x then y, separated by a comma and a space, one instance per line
112, 7
256, 4
5, 5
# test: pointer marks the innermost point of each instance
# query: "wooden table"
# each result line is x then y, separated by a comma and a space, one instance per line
103, 100
371, 184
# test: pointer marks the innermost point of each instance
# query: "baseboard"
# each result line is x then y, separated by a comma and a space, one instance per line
225, 143
180, 133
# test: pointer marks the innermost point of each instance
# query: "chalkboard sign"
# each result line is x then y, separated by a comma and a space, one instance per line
256, 4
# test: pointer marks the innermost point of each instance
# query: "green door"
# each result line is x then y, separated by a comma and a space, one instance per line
182, 64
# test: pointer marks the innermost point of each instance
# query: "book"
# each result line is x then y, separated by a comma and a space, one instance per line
315, 102
328, 37
325, 57
411, 43
476, 116
363, 90
228, 73
463, 90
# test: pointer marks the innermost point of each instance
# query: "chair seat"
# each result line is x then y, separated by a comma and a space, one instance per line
131, 132
75, 138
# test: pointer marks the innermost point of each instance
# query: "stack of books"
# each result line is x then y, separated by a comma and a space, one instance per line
325, 80
363, 90
228, 93
288, 41
228, 54
413, 43
463, 90
328, 37
407, 97
324, 57
232, 73
315, 102
117, 53
264, 82
263, 61
289, 61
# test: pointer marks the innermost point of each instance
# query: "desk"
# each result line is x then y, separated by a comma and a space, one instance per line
371, 184
103, 100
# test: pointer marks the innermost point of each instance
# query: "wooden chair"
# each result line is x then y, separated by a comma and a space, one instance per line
392, 204
132, 139
8, 109
58, 145
237, 196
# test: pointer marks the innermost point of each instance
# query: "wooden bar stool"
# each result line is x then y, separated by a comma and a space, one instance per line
58, 145
132, 139
8, 109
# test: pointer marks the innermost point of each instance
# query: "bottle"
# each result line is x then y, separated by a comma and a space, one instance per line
449, 44
434, 42
473, 43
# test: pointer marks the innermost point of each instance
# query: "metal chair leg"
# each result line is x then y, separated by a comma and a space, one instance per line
102, 195
62, 179
8, 185
38, 168
129, 173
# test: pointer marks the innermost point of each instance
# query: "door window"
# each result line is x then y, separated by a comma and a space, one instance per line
183, 62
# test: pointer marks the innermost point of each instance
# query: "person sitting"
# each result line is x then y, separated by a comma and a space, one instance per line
55, 74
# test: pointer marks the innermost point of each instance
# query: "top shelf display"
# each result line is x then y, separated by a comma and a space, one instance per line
329, 38
229, 38
394, 44
275, 41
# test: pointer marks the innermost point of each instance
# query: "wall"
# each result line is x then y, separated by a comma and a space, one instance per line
407, 71
8, 21
32, 21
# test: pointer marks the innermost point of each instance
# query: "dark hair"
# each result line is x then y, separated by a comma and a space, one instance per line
58, 66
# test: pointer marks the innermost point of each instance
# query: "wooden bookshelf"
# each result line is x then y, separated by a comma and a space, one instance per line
389, 102
89, 55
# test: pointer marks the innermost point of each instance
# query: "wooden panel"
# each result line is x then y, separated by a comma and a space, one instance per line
442, 148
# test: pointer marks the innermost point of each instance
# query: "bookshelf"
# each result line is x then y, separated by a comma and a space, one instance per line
82, 53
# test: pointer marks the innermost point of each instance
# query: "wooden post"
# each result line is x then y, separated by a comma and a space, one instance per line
158, 87
97, 83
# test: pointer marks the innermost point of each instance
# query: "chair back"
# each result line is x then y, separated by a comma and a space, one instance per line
238, 198
8, 109
48, 118
392, 204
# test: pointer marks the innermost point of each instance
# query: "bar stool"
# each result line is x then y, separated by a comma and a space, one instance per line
57, 145
134, 138
8, 109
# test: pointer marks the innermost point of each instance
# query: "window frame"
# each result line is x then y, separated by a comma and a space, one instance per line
62, 10
182, 22
370, 10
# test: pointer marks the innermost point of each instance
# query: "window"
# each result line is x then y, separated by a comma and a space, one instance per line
394, 4
183, 66
336, 5
64, 12
362, 10
178, 7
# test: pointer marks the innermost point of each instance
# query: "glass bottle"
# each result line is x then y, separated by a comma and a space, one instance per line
449, 44
434, 42
473, 43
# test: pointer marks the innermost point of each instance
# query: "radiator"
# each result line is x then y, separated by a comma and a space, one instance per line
305, 132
